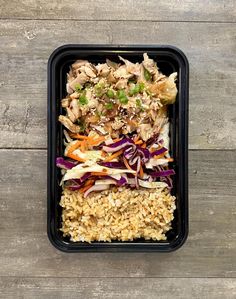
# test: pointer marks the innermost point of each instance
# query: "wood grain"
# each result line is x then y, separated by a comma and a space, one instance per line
26, 45
209, 252
151, 10
113, 288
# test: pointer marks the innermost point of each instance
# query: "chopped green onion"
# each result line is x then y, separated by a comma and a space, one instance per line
83, 100
78, 87
147, 75
122, 96
82, 125
109, 106
124, 100
99, 89
141, 87
138, 103
110, 94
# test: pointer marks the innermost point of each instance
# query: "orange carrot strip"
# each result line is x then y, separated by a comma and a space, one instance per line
136, 138
85, 188
82, 148
138, 142
103, 154
116, 140
159, 156
97, 141
141, 171
73, 147
144, 145
115, 155
78, 136
170, 159
127, 164
101, 173
72, 156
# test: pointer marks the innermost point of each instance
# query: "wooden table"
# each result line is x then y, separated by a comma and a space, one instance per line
206, 265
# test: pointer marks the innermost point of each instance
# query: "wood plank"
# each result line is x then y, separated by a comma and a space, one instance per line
112, 288
151, 10
26, 45
209, 252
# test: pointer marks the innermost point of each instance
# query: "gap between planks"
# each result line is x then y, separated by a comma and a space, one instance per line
118, 20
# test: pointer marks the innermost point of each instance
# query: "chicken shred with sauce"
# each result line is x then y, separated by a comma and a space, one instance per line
117, 98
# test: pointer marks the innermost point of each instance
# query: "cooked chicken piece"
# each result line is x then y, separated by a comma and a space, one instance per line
149, 64
131, 124
74, 95
108, 127
112, 64
131, 67
122, 72
161, 119
117, 123
103, 69
121, 84
68, 88
79, 63
158, 77
91, 119
65, 102
112, 112
81, 79
141, 77
145, 131
89, 71
70, 76
167, 89
92, 101
68, 124
155, 104
70, 114
110, 78
100, 129
75, 108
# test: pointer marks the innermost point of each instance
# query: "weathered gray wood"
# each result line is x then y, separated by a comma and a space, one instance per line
209, 252
113, 288
210, 10
26, 45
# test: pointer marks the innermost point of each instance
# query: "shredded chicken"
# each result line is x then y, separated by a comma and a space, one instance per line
118, 98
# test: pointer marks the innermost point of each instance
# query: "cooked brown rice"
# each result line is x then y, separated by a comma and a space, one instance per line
117, 214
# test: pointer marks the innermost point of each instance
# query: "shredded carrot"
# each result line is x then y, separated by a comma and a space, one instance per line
138, 142
103, 154
99, 173
127, 164
83, 146
72, 156
170, 159
85, 188
136, 138
78, 136
159, 156
144, 145
115, 155
74, 147
89, 182
141, 171
97, 141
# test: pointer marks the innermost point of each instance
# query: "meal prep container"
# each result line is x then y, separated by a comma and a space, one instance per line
169, 59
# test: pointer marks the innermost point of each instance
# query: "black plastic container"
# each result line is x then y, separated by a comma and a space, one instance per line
169, 59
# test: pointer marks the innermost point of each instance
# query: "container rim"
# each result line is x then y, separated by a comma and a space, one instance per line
124, 246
